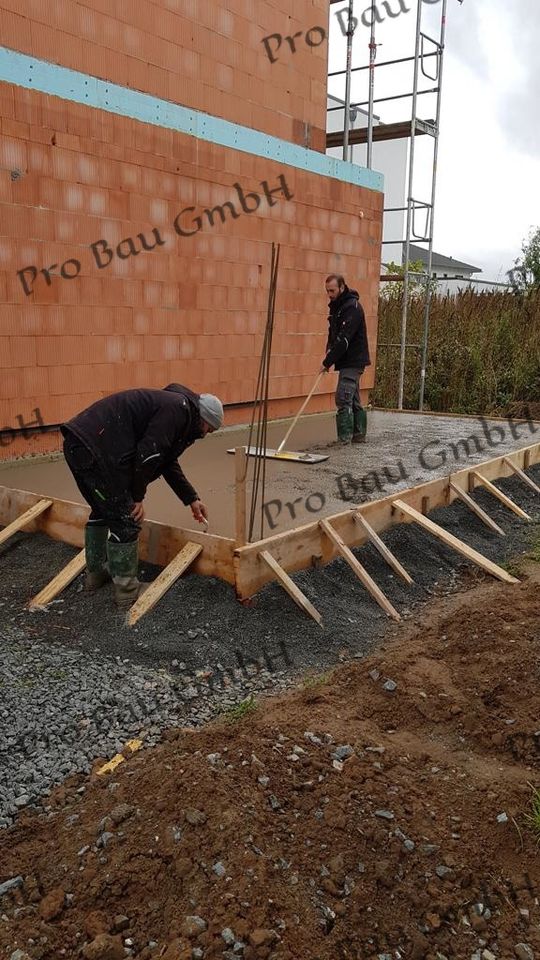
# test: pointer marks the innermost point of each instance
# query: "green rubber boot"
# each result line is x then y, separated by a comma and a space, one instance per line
345, 426
360, 426
95, 545
124, 564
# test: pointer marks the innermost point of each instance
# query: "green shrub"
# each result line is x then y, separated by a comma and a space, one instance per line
483, 352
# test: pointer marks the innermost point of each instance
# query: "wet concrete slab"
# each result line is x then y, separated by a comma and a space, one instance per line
402, 451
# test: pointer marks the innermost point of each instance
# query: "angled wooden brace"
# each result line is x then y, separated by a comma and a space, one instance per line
472, 505
454, 542
183, 559
289, 585
384, 551
24, 519
60, 581
359, 570
522, 475
500, 495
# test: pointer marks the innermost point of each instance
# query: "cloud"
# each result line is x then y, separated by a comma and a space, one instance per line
518, 108
465, 35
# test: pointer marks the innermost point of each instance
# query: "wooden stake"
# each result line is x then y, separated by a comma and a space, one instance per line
163, 582
240, 460
359, 570
500, 495
382, 548
484, 517
522, 476
452, 541
300, 412
24, 519
289, 585
60, 581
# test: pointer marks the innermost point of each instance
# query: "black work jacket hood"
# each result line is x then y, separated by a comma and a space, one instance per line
348, 296
347, 344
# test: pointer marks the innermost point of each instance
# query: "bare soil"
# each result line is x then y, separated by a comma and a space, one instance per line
417, 845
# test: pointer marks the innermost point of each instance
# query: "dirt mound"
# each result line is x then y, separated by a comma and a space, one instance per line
377, 813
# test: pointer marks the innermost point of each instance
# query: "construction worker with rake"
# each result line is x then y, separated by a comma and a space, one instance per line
347, 351
114, 449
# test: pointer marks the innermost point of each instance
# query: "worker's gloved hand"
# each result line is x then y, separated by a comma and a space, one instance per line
199, 511
138, 512
324, 369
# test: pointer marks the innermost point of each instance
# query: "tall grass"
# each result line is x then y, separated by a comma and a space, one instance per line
483, 356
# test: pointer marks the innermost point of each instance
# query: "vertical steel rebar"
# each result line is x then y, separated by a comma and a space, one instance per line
260, 410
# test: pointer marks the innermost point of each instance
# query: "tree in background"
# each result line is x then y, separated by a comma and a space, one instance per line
525, 274
393, 289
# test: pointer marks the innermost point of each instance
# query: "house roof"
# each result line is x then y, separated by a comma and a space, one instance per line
439, 261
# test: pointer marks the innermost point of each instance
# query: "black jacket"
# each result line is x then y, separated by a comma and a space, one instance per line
139, 434
347, 344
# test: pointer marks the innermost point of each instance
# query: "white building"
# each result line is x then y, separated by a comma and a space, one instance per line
452, 275
391, 157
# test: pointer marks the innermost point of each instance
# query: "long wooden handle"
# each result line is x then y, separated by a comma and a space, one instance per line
300, 412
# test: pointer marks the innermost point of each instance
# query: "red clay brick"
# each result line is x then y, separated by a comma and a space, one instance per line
34, 382
186, 311
15, 31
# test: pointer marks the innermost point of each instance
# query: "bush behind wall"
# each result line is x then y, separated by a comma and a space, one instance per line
483, 356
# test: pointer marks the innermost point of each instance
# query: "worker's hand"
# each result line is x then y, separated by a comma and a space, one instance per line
138, 512
324, 369
199, 511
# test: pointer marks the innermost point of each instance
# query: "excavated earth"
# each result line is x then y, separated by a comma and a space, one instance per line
383, 811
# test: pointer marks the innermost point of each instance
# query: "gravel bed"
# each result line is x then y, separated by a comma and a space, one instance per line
61, 709
75, 684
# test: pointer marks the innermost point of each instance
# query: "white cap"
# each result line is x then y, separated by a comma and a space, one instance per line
211, 409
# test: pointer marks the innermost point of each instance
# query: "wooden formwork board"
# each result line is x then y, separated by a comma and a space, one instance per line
293, 550
159, 543
304, 546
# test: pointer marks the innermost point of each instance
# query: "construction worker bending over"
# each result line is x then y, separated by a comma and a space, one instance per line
114, 449
348, 351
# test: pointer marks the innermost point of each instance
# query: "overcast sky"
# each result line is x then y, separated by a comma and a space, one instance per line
488, 195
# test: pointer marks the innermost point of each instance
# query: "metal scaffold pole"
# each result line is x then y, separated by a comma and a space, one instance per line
372, 56
427, 308
426, 50
410, 201
347, 110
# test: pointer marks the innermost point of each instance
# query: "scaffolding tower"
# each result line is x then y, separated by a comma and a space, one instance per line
427, 65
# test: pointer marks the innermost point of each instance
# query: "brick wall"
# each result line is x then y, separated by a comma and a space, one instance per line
192, 309
199, 53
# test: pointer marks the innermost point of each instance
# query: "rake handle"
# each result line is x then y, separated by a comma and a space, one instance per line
300, 412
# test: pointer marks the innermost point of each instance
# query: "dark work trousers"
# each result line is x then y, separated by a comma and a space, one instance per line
107, 493
347, 390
